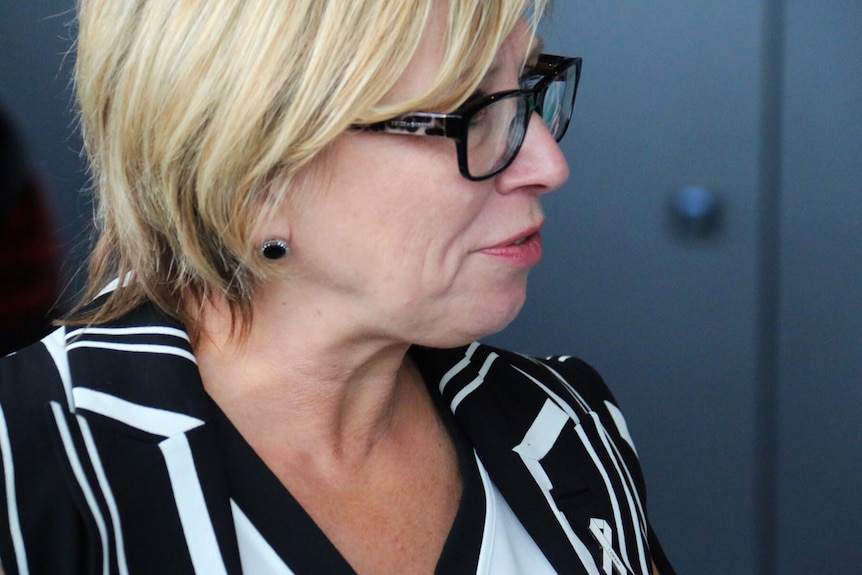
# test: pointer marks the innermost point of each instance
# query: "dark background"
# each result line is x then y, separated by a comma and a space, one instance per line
36, 65
733, 340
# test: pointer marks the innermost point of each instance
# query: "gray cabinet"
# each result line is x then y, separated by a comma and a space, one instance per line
737, 352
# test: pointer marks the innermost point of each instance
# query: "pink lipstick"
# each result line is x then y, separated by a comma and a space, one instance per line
523, 251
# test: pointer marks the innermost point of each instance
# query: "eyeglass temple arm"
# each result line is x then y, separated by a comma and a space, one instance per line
415, 124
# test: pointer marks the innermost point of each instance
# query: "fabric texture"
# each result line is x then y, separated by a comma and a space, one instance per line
112, 464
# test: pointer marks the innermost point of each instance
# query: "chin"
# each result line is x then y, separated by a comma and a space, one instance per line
482, 320
503, 322
495, 311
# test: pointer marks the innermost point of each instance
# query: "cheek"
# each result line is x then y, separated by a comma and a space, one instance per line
424, 258
426, 234
395, 214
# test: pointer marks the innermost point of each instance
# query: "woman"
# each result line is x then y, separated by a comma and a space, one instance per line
283, 379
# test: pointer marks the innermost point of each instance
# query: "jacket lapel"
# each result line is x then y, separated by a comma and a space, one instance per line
513, 424
148, 462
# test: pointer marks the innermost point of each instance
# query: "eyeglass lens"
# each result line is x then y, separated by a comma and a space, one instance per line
495, 134
557, 105
497, 130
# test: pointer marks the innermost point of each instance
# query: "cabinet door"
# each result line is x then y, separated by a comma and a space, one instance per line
669, 98
820, 434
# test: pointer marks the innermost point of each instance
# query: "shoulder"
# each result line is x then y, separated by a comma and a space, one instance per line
568, 377
479, 378
34, 495
552, 438
34, 382
579, 378
78, 398
33, 376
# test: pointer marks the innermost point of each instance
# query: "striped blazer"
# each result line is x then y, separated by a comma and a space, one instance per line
111, 465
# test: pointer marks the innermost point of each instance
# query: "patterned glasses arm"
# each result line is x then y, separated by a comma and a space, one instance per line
415, 124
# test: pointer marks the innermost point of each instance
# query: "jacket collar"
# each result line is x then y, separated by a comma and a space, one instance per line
142, 413
136, 387
501, 421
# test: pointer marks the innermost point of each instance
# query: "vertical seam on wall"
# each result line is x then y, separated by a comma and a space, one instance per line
769, 288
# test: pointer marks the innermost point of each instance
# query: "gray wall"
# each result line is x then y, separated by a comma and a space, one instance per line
735, 353
820, 393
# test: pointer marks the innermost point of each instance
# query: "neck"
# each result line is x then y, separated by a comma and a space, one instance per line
321, 393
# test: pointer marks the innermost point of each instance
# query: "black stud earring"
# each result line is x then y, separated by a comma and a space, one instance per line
274, 249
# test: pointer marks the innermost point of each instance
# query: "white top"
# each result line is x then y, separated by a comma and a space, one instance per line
506, 547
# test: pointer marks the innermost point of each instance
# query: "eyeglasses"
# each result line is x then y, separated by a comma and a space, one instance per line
490, 131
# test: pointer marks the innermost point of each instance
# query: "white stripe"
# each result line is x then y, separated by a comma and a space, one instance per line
631, 482
458, 367
12, 498
551, 413
149, 419
124, 331
107, 493
194, 515
635, 513
256, 555
622, 426
544, 432
597, 462
631, 492
55, 343
136, 347
474, 385
612, 495
81, 476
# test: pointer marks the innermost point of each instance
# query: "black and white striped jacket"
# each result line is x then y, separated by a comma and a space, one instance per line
111, 466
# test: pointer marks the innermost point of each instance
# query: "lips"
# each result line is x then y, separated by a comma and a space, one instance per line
522, 250
519, 239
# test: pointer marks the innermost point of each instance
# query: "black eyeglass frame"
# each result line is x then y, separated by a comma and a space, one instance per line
457, 124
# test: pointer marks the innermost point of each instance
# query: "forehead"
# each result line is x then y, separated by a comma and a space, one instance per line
522, 44
520, 48
516, 49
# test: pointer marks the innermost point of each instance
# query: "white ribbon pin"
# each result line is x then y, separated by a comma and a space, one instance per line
604, 535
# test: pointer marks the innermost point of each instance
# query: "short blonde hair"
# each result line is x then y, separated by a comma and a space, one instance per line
191, 111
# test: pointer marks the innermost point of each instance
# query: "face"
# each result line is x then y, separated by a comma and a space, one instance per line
392, 242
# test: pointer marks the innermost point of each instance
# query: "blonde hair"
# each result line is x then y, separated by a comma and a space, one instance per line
192, 111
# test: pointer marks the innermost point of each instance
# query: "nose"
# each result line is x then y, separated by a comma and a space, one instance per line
539, 166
